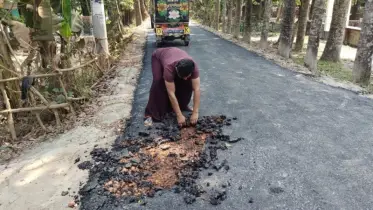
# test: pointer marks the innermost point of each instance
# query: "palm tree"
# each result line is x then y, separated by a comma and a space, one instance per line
363, 60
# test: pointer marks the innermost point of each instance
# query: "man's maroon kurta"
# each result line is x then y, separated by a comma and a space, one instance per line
164, 61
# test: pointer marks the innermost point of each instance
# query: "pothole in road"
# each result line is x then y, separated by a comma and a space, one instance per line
157, 166
162, 159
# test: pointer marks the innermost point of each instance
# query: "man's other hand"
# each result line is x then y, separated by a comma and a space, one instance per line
194, 118
180, 120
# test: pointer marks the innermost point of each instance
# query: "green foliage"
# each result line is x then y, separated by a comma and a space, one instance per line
60, 99
66, 24
56, 6
257, 2
55, 94
5, 14
203, 9
57, 90
360, 2
28, 18
277, 2
280, 2
335, 70
126, 4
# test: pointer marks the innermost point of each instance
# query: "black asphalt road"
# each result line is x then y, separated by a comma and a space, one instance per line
307, 146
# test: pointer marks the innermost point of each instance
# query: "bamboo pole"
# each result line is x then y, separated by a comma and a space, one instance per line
44, 75
11, 71
36, 92
34, 76
66, 96
77, 67
10, 79
8, 107
10, 48
38, 108
76, 99
37, 114
10, 111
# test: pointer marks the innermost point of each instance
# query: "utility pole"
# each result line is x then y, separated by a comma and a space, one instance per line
99, 26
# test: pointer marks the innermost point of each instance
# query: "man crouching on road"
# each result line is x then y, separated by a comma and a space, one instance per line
175, 78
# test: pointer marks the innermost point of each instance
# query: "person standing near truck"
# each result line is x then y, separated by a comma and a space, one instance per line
175, 79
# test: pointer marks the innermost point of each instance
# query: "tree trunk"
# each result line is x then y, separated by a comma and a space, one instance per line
311, 8
310, 60
237, 19
224, 15
334, 43
243, 14
144, 13
302, 25
230, 17
85, 5
120, 15
354, 11
217, 15
127, 18
47, 52
44, 22
284, 47
132, 16
363, 60
260, 12
136, 4
279, 12
205, 12
294, 33
247, 32
7, 62
211, 19
265, 24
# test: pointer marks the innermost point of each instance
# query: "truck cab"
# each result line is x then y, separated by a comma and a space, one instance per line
170, 20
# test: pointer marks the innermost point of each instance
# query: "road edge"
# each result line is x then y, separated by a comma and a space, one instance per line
290, 65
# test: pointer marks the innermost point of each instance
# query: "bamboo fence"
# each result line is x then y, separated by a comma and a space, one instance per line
35, 93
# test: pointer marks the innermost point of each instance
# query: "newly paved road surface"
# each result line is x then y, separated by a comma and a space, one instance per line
308, 145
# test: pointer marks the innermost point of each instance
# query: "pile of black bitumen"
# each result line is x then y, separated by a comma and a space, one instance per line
107, 165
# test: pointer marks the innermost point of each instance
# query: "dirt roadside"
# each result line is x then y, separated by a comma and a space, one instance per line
37, 178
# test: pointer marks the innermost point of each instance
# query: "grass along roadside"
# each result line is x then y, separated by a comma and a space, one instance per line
336, 70
340, 71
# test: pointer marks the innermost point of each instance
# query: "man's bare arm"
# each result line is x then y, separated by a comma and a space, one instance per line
196, 95
170, 86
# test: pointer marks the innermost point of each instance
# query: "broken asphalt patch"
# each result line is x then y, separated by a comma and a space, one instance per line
166, 158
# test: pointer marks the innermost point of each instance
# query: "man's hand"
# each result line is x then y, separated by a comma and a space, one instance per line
180, 120
170, 86
194, 118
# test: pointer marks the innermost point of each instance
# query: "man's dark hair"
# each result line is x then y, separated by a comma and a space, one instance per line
185, 67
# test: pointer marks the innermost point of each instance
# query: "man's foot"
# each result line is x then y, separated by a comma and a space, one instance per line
148, 121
